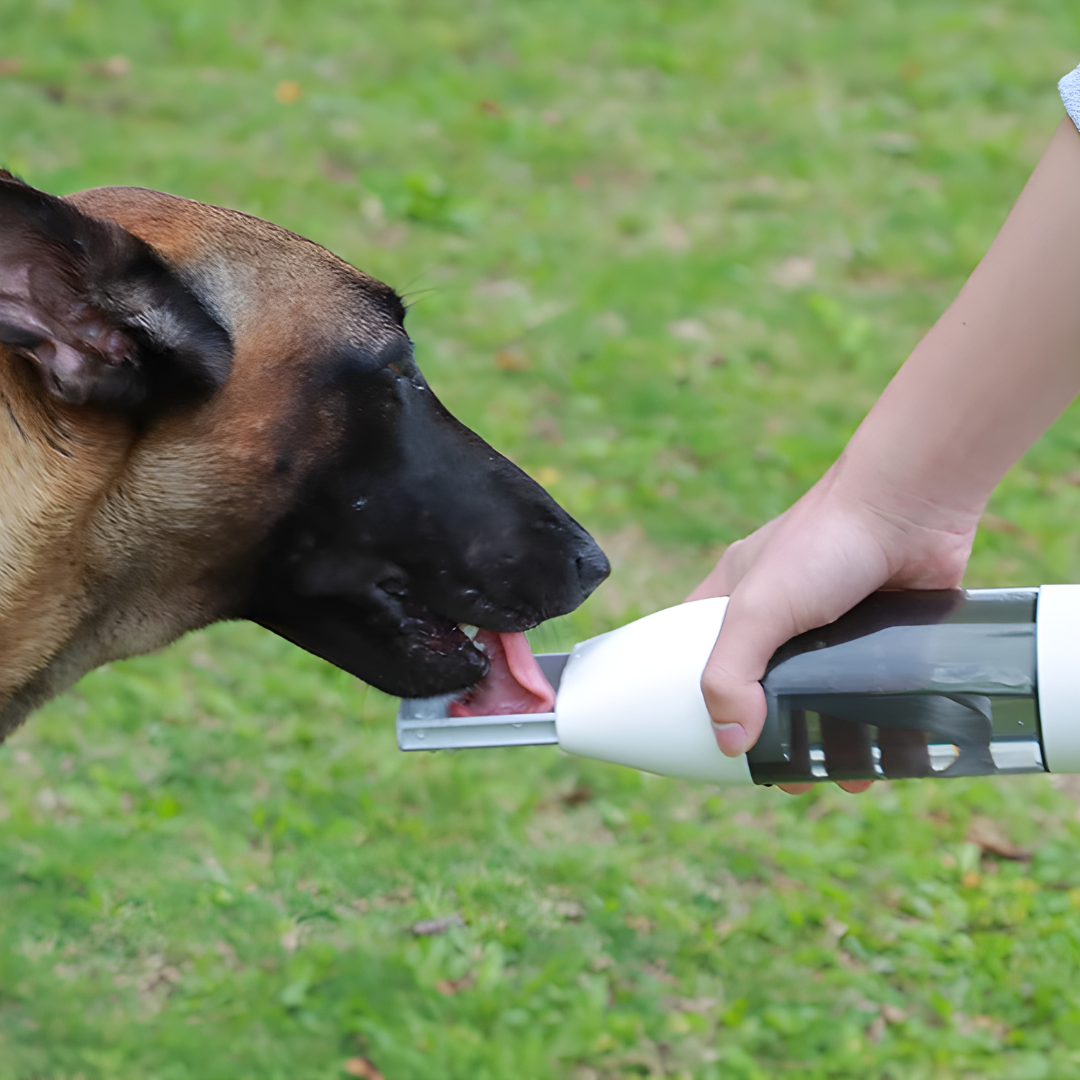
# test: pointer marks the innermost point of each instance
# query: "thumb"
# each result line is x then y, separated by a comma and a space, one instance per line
756, 624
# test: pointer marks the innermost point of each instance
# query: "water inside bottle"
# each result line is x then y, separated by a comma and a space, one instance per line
907, 684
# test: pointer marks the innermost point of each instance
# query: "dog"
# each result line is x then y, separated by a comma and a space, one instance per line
204, 416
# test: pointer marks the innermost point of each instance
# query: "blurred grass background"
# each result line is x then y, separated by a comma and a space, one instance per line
664, 255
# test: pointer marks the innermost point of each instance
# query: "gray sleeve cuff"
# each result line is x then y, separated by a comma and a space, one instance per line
1070, 95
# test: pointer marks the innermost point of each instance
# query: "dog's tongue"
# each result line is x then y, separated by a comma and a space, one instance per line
514, 682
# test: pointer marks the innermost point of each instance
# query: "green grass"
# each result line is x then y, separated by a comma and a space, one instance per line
664, 255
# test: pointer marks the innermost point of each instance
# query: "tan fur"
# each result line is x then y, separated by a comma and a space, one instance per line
114, 542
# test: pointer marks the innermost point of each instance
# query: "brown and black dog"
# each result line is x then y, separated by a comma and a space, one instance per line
204, 416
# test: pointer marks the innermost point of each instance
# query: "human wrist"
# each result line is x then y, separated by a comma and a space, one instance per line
910, 480
924, 539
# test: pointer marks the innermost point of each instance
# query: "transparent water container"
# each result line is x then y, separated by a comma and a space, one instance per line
907, 684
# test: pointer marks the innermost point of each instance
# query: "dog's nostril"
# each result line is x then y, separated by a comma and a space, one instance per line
393, 587
592, 568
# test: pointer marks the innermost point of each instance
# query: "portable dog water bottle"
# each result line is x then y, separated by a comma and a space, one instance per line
907, 684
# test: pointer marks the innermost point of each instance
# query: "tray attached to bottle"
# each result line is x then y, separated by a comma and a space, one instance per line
423, 723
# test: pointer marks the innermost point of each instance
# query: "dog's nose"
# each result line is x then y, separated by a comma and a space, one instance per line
592, 567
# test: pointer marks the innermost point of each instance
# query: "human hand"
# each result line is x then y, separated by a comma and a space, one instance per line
835, 546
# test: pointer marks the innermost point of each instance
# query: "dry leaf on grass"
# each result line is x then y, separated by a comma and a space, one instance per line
431, 927
288, 92
116, 67
572, 910
362, 1067
991, 837
693, 1005
582, 793
658, 970
449, 987
511, 360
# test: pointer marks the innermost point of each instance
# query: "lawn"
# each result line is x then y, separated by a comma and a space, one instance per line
664, 255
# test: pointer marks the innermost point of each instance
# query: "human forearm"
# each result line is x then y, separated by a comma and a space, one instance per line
900, 507
998, 367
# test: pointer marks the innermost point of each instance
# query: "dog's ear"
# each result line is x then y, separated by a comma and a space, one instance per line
98, 311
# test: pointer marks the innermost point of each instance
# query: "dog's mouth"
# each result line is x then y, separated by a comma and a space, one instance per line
513, 684
382, 628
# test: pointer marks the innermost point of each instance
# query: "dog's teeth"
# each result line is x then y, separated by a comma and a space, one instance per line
468, 630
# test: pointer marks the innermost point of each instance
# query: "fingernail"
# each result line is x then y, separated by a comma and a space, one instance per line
731, 738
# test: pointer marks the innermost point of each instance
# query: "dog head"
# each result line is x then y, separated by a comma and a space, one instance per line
210, 417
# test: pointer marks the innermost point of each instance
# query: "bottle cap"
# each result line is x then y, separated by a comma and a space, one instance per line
1058, 650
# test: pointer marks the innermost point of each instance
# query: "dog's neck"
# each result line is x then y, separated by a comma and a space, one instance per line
84, 578
54, 472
